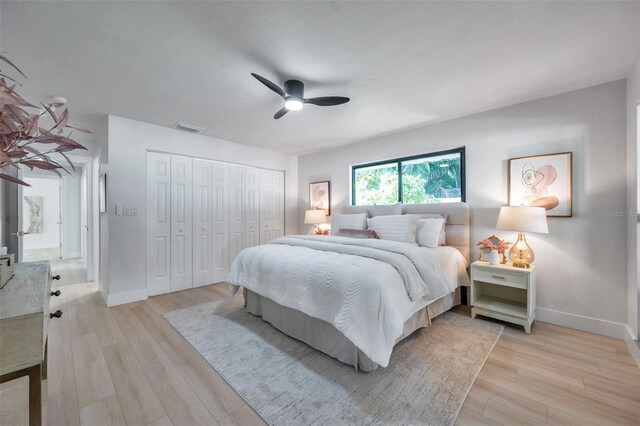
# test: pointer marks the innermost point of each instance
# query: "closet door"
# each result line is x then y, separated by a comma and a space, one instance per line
266, 210
271, 205
158, 223
237, 213
220, 220
277, 193
252, 207
181, 223
202, 229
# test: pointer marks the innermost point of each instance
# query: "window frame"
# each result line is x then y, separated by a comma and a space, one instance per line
398, 162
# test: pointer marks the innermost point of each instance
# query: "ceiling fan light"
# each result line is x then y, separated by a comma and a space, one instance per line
293, 104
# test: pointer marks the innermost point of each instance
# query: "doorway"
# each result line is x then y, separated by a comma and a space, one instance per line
54, 222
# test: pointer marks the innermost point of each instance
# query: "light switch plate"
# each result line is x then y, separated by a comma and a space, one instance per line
118, 209
127, 210
134, 211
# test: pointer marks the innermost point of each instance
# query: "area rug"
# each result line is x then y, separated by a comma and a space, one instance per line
289, 383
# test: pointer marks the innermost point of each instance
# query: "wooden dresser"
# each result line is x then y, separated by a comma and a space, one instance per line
24, 316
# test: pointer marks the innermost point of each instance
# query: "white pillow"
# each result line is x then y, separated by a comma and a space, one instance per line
428, 234
348, 221
396, 227
386, 210
442, 240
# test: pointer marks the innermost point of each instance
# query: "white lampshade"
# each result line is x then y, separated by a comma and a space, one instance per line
523, 219
314, 217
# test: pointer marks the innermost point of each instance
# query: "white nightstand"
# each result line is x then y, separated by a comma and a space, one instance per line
504, 292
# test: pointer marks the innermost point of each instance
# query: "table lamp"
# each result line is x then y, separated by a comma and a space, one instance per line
522, 219
315, 217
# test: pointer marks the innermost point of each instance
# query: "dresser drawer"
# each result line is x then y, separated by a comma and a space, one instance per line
502, 277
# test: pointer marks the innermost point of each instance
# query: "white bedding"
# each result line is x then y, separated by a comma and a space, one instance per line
365, 295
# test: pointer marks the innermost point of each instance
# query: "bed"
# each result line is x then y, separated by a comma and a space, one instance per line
355, 299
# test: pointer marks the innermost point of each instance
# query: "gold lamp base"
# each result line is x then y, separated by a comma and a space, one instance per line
521, 254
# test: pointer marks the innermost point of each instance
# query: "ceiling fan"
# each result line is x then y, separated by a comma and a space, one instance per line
293, 95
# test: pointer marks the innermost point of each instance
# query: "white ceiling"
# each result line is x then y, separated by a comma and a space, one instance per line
402, 64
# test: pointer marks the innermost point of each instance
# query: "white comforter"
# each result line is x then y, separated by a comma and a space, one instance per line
359, 285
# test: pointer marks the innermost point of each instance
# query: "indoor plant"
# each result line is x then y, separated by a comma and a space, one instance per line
22, 140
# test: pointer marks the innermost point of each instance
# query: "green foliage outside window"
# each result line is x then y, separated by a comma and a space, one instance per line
426, 180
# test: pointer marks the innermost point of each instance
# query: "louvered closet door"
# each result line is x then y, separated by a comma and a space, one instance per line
202, 229
220, 220
252, 207
158, 223
181, 223
237, 214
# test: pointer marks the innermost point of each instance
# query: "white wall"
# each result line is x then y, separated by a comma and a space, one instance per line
49, 190
633, 284
582, 261
102, 153
128, 143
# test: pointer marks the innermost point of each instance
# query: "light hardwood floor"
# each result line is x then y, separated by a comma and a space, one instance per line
126, 365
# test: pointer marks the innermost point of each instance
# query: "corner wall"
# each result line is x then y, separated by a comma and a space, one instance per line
633, 283
582, 266
129, 141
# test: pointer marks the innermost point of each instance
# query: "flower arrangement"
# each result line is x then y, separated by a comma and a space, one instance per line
22, 140
502, 245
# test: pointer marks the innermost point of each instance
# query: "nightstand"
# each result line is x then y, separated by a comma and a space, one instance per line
504, 292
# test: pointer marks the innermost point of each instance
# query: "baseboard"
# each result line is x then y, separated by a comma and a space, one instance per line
616, 330
103, 294
632, 344
72, 255
39, 246
123, 297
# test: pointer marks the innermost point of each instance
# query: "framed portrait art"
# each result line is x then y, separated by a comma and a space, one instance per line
320, 196
542, 181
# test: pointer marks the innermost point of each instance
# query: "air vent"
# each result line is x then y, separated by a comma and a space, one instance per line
189, 128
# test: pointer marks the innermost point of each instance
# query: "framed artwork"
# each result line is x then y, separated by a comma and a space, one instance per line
320, 196
542, 181
34, 204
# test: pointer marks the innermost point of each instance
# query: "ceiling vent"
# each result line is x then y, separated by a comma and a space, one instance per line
189, 128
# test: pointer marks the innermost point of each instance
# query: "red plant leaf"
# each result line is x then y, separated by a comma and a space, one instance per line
13, 179
62, 121
18, 114
17, 153
81, 129
40, 164
68, 160
3, 58
9, 96
51, 113
4, 158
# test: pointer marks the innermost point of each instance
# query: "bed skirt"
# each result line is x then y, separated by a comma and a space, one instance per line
325, 337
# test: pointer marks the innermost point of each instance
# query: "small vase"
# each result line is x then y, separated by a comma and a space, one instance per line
494, 257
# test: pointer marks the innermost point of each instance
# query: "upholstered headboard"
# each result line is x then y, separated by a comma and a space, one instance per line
456, 228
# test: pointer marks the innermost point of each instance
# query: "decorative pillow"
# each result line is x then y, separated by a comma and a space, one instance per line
396, 228
394, 209
357, 233
349, 221
429, 232
442, 240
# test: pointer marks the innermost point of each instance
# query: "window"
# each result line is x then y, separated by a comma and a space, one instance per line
429, 178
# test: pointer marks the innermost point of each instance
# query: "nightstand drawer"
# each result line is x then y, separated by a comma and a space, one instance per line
502, 277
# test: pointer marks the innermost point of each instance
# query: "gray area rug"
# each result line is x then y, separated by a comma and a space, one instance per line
289, 383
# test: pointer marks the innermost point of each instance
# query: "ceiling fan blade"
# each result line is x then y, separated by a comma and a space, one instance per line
327, 100
280, 113
269, 84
